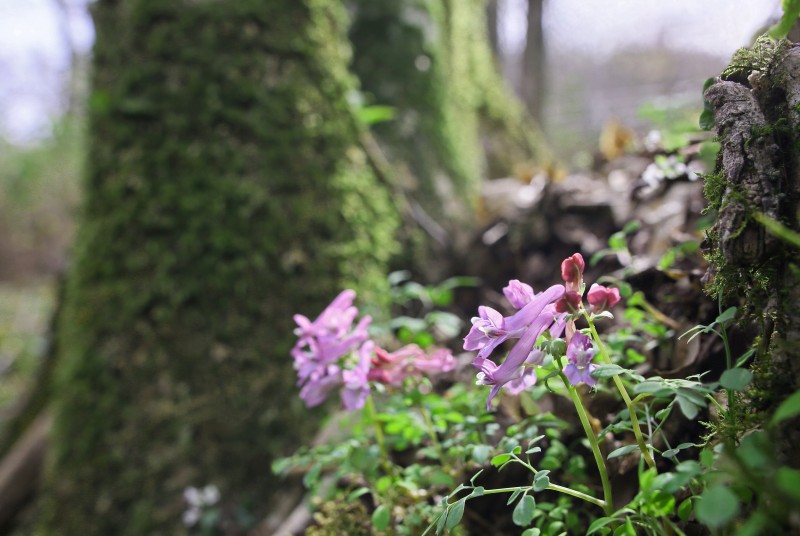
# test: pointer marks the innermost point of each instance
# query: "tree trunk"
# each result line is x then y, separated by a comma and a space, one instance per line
757, 113
533, 61
225, 191
456, 122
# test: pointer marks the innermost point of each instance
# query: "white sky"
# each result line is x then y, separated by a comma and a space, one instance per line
33, 59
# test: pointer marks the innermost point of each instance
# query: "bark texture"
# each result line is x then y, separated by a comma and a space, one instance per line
226, 190
757, 113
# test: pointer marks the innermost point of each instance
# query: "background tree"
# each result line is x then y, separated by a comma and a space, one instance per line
225, 191
533, 61
456, 121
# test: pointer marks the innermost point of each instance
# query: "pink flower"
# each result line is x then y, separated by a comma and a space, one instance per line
392, 368
572, 271
601, 298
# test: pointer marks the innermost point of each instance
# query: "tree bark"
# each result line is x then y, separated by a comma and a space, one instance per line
226, 190
757, 113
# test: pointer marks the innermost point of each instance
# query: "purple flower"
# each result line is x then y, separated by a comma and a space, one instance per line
317, 387
580, 353
490, 329
356, 385
488, 332
527, 377
324, 354
512, 368
518, 294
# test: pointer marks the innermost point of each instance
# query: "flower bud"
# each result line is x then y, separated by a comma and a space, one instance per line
601, 298
572, 271
570, 303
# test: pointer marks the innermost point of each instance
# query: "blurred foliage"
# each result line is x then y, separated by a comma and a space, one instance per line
24, 313
39, 190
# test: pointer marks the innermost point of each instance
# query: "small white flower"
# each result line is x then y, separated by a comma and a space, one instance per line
191, 516
210, 495
192, 496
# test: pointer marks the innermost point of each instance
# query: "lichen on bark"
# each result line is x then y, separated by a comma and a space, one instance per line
226, 190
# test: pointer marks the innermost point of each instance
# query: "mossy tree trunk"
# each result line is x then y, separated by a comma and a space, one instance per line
757, 112
456, 122
225, 191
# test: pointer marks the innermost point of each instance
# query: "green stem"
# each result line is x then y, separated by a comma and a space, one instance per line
553, 487
731, 411
388, 467
432, 432
637, 430
608, 503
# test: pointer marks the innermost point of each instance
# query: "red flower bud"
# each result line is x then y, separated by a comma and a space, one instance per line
572, 271
601, 298
569, 303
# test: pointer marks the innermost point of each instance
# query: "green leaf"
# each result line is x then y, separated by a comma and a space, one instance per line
788, 409
671, 453
791, 10
500, 459
476, 492
356, 493
736, 379
455, 514
312, 476
531, 532
659, 504
717, 506
540, 484
523, 512
685, 509
688, 408
598, 524
606, 371
371, 115
381, 517
626, 529
622, 451
788, 480
514, 496
442, 521
657, 388
726, 316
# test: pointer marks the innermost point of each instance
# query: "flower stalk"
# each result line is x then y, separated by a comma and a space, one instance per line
637, 430
608, 504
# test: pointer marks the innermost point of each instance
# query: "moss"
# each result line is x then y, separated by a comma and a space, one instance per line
225, 191
757, 58
713, 190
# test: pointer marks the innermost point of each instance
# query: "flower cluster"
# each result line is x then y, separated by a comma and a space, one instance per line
332, 354
555, 310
